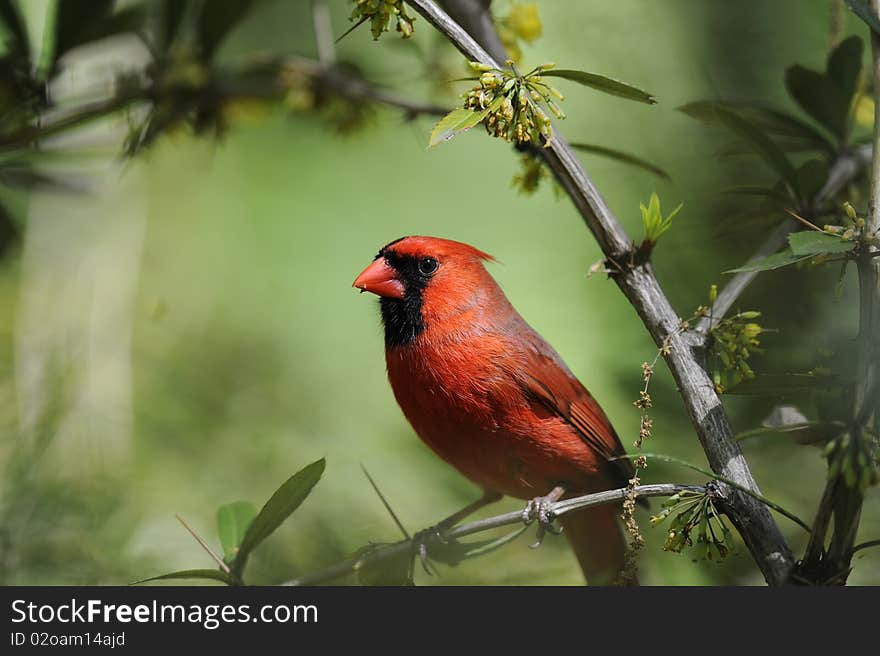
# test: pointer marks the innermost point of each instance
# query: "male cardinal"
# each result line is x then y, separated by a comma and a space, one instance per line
491, 397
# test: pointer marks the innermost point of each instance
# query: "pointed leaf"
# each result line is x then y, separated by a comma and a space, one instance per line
798, 134
212, 574
602, 83
775, 261
171, 13
73, 23
621, 156
458, 120
763, 145
217, 20
279, 507
811, 242
750, 190
233, 520
14, 24
784, 384
819, 97
845, 65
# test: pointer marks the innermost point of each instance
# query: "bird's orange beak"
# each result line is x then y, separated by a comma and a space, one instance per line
380, 279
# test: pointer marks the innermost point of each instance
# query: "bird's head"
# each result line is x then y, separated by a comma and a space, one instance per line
423, 280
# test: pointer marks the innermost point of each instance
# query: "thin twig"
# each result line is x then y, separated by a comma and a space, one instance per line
198, 538
507, 519
638, 283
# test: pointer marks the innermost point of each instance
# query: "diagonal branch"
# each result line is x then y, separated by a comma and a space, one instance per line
638, 283
507, 519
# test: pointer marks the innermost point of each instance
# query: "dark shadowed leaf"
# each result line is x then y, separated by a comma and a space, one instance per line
750, 190
811, 242
171, 13
795, 133
233, 520
15, 26
775, 261
620, 156
819, 97
602, 83
75, 19
783, 384
217, 20
212, 574
10, 232
862, 9
458, 120
279, 507
763, 145
845, 65
453, 552
24, 176
393, 570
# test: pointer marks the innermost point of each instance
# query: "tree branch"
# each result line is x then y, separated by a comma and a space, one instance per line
640, 286
507, 519
228, 85
846, 167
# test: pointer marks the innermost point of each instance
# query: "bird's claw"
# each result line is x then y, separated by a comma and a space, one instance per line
420, 544
541, 509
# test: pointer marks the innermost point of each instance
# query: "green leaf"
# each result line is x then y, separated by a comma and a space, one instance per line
15, 26
621, 156
279, 507
74, 21
819, 97
458, 120
797, 134
751, 190
10, 231
845, 66
217, 20
783, 384
763, 145
233, 520
863, 10
171, 13
602, 83
775, 261
812, 242
212, 574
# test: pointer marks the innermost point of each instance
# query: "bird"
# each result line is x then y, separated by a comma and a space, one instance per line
492, 398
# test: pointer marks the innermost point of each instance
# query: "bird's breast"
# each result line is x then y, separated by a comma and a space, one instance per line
463, 401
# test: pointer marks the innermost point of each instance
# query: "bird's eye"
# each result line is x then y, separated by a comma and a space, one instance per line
428, 265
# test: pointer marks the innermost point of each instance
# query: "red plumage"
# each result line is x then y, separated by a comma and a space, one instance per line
489, 395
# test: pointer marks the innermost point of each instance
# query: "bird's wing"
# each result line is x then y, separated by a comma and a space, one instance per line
546, 379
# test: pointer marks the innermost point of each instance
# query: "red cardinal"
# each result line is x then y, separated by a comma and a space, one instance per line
490, 396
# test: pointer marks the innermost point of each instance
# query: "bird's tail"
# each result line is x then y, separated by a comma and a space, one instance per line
596, 538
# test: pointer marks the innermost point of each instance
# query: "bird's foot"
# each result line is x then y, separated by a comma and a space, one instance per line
540, 509
426, 536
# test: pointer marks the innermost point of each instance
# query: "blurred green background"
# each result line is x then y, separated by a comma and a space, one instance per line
185, 334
